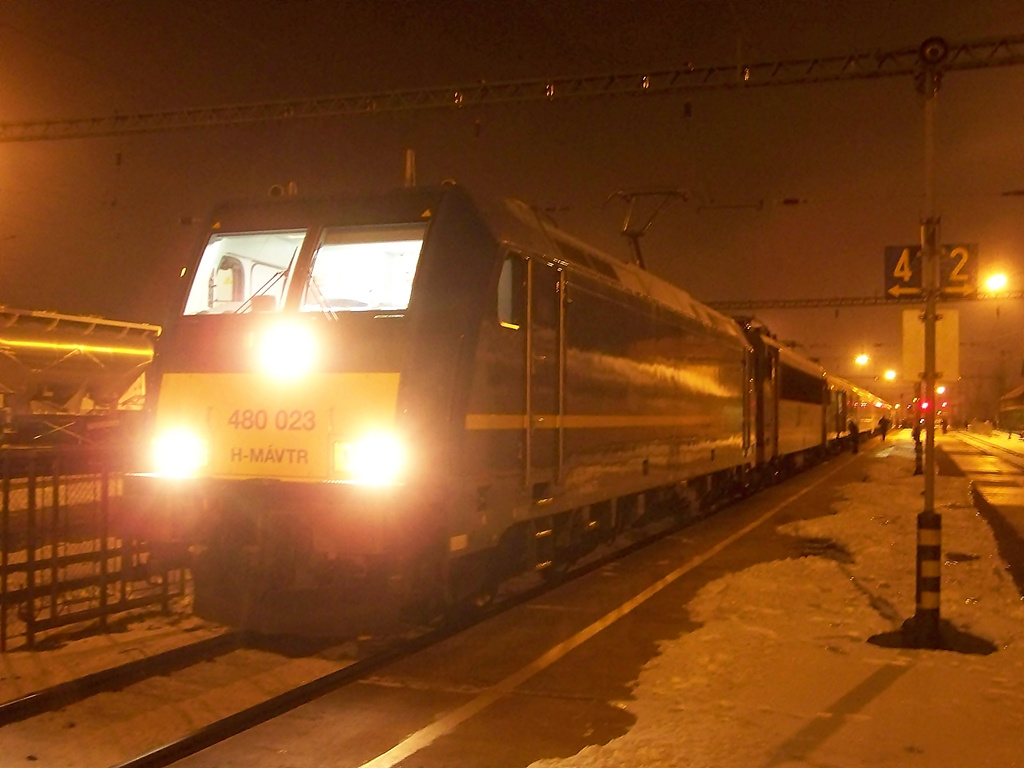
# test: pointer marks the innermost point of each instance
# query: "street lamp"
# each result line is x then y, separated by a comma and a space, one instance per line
996, 282
890, 375
862, 359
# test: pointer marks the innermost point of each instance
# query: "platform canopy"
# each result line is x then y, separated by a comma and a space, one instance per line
68, 364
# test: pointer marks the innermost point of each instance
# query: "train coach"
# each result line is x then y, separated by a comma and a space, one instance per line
371, 404
802, 413
866, 409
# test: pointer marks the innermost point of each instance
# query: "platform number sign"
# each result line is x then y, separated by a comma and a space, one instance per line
904, 268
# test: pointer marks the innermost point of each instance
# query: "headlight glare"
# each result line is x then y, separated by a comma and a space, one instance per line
287, 350
375, 459
179, 453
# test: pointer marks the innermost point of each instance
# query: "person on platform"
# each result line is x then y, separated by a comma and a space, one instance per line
883, 426
854, 435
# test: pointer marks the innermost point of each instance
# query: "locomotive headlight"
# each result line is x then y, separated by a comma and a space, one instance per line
179, 453
286, 350
378, 458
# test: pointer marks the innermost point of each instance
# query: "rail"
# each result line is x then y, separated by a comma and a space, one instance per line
65, 557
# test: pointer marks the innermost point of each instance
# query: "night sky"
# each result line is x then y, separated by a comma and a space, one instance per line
100, 225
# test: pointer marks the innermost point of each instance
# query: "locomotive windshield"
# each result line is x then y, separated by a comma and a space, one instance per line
364, 268
242, 272
353, 269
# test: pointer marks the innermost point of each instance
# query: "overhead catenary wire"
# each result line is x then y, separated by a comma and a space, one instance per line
971, 55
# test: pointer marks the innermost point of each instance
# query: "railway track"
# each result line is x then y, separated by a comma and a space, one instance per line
237, 684
249, 717
993, 448
63, 694
998, 495
521, 591
209, 676
516, 592
188, 668
169, 705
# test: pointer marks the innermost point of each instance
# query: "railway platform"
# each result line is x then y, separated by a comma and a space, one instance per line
752, 639
993, 463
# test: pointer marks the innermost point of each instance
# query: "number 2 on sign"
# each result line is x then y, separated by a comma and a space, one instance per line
959, 275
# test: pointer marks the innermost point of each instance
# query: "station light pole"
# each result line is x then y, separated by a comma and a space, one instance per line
925, 623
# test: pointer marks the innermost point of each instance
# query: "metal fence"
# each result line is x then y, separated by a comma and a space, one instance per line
64, 556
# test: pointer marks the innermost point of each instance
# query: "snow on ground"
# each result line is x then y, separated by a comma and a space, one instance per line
781, 672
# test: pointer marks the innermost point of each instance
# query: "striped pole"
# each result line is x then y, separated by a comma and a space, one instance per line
929, 564
932, 54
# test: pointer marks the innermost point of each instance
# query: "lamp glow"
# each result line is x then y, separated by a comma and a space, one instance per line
287, 351
179, 453
376, 459
996, 282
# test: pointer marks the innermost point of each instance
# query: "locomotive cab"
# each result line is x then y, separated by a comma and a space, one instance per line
302, 417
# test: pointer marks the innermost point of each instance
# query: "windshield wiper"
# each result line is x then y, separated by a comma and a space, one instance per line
262, 290
321, 300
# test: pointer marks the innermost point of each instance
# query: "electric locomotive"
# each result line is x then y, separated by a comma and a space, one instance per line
376, 404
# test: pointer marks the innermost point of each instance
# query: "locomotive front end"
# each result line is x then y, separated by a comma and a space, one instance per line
281, 455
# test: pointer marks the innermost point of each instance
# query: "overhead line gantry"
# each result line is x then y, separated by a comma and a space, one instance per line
978, 54
728, 305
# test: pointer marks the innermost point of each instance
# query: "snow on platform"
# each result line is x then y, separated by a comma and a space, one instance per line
785, 668
783, 672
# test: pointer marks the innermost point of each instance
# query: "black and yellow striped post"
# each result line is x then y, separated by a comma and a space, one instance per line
933, 53
929, 565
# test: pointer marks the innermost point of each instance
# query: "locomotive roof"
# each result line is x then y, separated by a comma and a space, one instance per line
516, 222
510, 221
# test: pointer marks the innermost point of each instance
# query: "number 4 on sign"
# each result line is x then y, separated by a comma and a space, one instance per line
904, 270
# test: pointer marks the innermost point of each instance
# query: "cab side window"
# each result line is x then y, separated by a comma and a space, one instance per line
512, 292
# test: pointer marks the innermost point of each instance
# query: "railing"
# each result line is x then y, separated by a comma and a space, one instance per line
64, 555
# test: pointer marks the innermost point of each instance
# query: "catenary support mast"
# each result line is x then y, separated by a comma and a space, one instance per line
929, 523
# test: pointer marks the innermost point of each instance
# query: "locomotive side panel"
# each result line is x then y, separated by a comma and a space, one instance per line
652, 397
492, 478
620, 395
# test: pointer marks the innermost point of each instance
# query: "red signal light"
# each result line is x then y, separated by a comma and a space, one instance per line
925, 405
